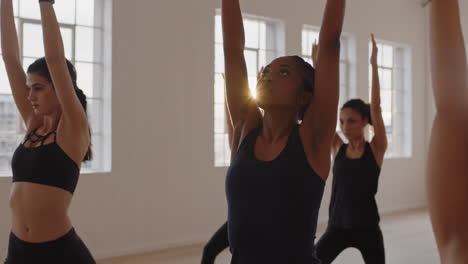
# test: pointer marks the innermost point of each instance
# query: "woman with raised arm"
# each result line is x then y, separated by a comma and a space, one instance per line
448, 152
353, 214
219, 241
47, 164
275, 183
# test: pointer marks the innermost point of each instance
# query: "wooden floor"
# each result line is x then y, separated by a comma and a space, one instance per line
408, 240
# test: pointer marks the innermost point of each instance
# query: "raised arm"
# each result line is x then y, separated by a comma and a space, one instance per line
73, 112
448, 152
337, 141
320, 116
229, 124
12, 58
242, 107
379, 142
319, 122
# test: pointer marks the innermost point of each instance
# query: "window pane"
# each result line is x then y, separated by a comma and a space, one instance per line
387, 117
386, 100
218, 30
86, 43
94, 115
263, 36
220, 118
253, 86
219, 58
380, 54
8, 114
85, 73
386, 79
29, 9
67, 36
65, 11
343, 50
388, 56
85, 12
33, 45
305, 43
219, 88
15, 11
251, 61
221, 155
343, 74
8, 143
4, 83
251, 28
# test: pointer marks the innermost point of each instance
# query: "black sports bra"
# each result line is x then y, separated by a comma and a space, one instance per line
46, 164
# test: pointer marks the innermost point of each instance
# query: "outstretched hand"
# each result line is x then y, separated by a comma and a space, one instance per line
375, 50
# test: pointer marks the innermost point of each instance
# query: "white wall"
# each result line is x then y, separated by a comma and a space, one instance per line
163, 190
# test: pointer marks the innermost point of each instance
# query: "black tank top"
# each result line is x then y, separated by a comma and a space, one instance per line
273, 206
355, 183
47, 164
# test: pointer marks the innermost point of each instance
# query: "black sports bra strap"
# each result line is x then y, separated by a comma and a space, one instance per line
40, 138
48, 135
28, 136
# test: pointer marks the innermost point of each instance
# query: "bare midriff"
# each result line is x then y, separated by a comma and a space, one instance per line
39, 212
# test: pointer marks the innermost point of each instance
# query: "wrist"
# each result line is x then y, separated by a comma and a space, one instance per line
49, 1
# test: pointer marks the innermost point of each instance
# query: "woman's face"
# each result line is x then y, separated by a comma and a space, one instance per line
352, 123
42, 95
279, 86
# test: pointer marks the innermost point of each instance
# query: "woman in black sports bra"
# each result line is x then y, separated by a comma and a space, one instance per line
353, 214
275, 183
47, 164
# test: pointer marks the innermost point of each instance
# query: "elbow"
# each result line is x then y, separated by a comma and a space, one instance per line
10, 58
331, 40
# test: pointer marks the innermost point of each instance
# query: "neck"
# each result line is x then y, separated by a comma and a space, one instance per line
277, 125
357, 143
50, 122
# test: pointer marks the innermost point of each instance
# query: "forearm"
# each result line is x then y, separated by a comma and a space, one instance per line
233, 28
332, 24
10, 44
375, 97
448, 56
53, 43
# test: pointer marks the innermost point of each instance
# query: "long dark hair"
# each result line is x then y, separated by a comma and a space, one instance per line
40, 67
360, 107
308, 80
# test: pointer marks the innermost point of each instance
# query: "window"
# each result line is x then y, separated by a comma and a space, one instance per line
263, 43
84, 30
310, 36
394, 63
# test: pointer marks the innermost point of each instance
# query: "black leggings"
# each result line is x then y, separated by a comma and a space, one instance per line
216, 245
368, 241
66, 249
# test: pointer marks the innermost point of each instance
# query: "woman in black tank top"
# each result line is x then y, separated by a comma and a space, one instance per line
353, 214
275, 182
46, 165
